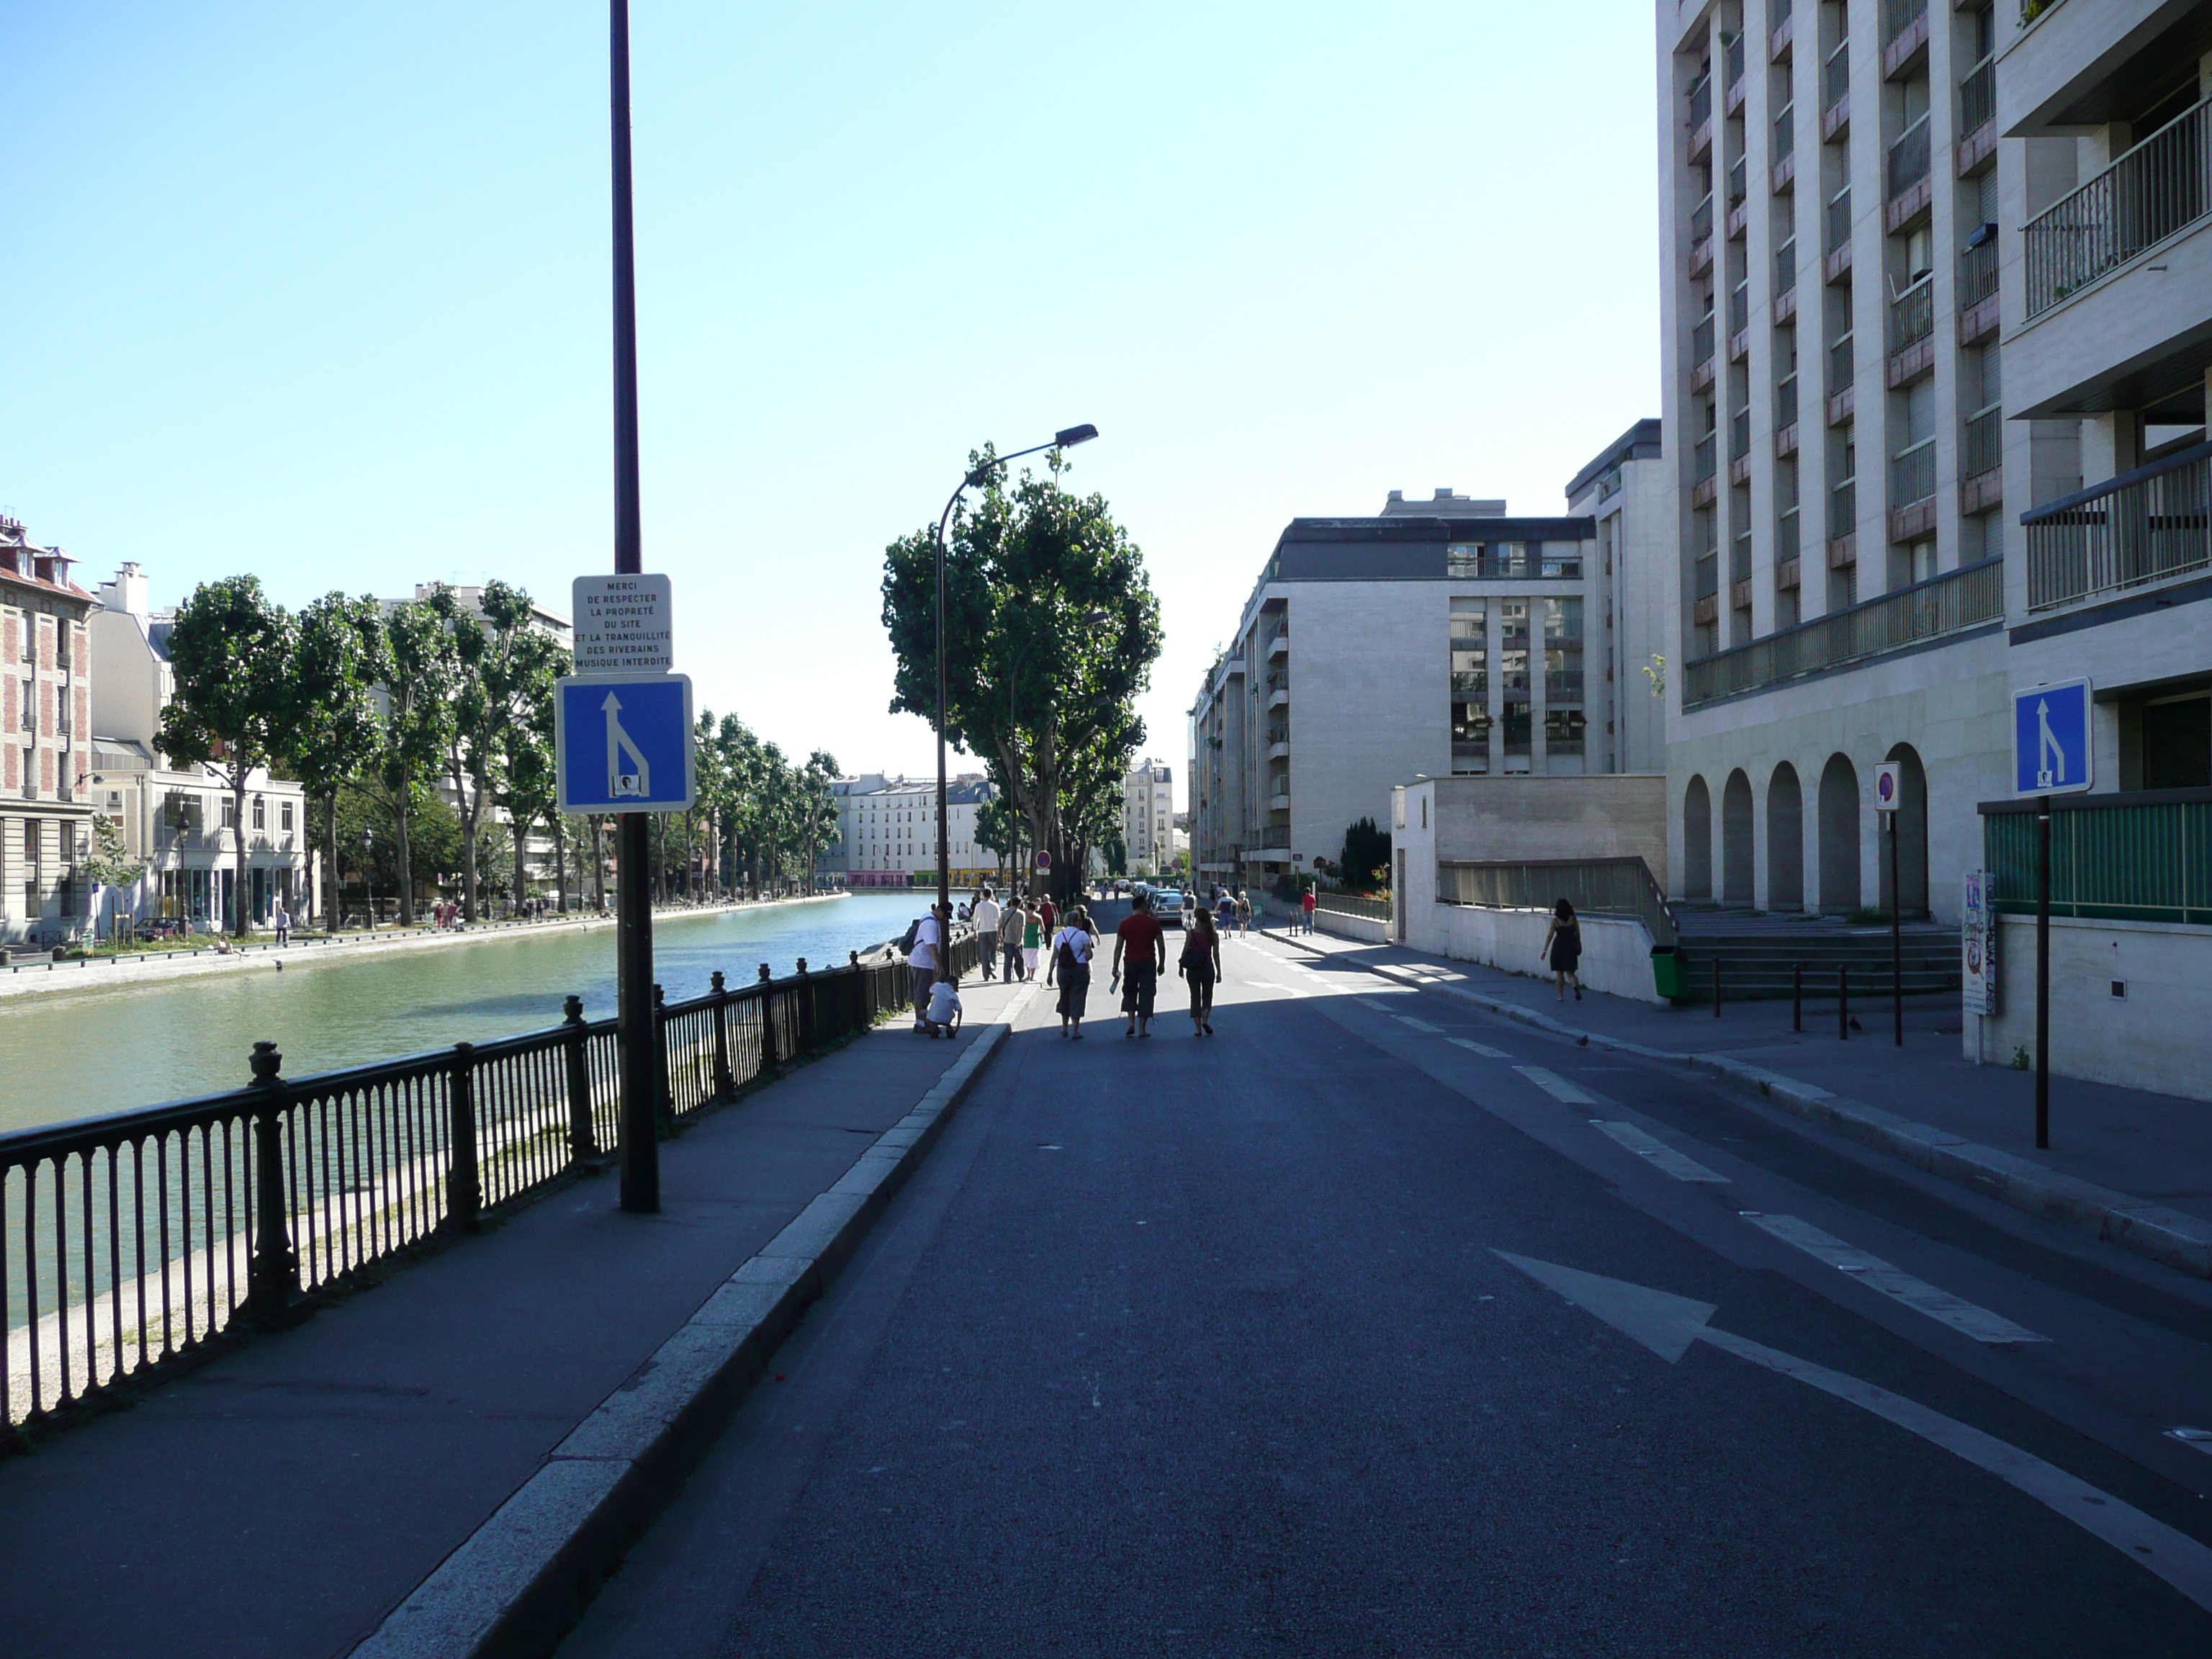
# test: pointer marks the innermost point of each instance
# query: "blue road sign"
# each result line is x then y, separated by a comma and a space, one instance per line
2050, 739
624, 745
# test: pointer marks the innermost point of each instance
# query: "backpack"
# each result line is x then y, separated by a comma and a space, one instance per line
1063, 956
906, 939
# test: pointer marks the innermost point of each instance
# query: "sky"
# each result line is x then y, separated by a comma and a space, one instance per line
320, 292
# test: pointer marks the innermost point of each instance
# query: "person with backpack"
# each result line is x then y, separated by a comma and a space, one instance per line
923, 955
1010, 937
1072, 949
1201, 965
1143, 942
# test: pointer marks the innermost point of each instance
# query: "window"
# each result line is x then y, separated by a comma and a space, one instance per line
230, 811
1515, 708
1470, 687
1564, 718
260, 813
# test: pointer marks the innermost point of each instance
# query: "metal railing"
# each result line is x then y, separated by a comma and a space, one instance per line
1703, 465
1839, 220
2113, 857
1739, 435
1732, 60
1617, 886
1785, 132
1785, 403
1701, 340
1977, 274
1786, 535
1961, 599
1785, 267
1899, 15
2141, 526
1739, 557
1701, 101
1840, 367
1912, 315
1912, 474
1844, 508
130, 1242
1981, 444
1739, 184
1701, 220
1978, 96
1353, 904
1836, 76
1739, 309
1908, 160
1707, 575
2155, 190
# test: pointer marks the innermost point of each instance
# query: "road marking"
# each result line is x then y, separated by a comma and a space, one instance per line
1895, 1283
1376, 1006
1277, 985
1669, 1324
2200, 1438
1557, 1086
1484, 1049
1418, 1024
1659, 1153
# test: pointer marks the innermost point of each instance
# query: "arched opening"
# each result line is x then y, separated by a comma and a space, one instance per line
1785, 840
1697, 842
1839, 837
1735, 839
1912, 833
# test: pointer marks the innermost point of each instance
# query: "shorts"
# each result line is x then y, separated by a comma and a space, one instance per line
1140, 983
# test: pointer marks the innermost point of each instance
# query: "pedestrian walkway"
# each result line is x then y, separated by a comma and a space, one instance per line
283, 1499
2142, 1152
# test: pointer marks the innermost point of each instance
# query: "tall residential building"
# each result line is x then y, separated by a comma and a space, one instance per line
1437, 638
1623, 491
45, 747
1148, 817
1840, 490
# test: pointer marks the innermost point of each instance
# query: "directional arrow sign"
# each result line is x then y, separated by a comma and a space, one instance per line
624, 745
2050, 739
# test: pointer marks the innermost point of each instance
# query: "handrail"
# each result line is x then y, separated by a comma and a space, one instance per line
2154, 190
2142, 526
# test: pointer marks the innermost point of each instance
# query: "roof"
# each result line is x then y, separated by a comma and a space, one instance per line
1641, 442
20, 557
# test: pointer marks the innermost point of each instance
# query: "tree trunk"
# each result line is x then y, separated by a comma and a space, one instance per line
468, 816
598, 863
561, 862
238, 917
406, 869
335, 888
521, 873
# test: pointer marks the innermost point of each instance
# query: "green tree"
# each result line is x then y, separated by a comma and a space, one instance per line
815, 808
996, 829
415, 669
1366, 857
1051, 631
230, 655
331, 734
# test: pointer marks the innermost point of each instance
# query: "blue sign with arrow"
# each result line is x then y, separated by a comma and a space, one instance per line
623, 745
2050, 751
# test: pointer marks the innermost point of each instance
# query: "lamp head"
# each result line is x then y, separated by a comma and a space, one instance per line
1071, 436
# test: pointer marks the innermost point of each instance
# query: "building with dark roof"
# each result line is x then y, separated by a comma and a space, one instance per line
46, 742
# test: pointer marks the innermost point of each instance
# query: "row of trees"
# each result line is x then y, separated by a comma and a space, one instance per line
1051, 632
411, 721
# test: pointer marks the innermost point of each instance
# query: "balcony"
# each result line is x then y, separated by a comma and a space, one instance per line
1904, 35
1836, 257
1705, 465
1785, 405
1279, 648
1701, 118
2152, 193
1835, 92
1912, 334
1279, 802
1783, 30
1905, 174
1949, 604
1739, 444
1785, 280
1981, 461
1732, 72
1912, 492
1785, 544
1843, 510
1784, 151
1977, 118
2140, 527
1978, 290
1701, 354
1738, 188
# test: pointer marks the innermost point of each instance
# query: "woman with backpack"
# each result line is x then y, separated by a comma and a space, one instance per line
1071, 961
1563, 949
1201, 965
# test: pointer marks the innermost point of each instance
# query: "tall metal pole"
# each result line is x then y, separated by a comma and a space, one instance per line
944, 843
2043, 972
1896, 936
640, 1143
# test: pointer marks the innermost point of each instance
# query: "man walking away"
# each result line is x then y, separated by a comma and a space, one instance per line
1143, 941
282, 920
1309, 904
1047, 918
986, 918
1009, 933
923, 959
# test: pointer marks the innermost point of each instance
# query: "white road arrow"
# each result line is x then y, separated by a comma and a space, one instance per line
2050, 757
1668, 1324
636, 785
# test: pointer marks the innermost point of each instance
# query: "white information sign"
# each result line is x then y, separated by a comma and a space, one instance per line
624, 625
1978, 946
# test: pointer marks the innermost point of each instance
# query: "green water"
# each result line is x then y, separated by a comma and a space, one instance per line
72, 1054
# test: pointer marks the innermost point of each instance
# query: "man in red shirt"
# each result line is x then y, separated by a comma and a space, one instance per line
1308, 903
1145, 945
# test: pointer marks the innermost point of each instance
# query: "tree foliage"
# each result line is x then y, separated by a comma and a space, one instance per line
1366, 858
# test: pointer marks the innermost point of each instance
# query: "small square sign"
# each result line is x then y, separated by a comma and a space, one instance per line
2051, 749
1888, 780
622, 625
624, 745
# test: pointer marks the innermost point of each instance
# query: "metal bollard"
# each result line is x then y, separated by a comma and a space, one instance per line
463, 1188
583, 1145
722, 1081
661, 1092
1842, 1005
1716, 988
1797, 996
273, 1279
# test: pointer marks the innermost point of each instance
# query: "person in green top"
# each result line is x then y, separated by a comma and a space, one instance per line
1032, 939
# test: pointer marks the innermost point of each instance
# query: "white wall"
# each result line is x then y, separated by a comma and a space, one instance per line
2155, 1039
1616, 952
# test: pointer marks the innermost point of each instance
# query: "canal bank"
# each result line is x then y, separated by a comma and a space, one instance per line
74, 1053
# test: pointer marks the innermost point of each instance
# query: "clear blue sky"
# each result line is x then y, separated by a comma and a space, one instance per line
319, 292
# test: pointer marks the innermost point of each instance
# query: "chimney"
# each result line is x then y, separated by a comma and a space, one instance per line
1443, 492
1397, 495
127, 592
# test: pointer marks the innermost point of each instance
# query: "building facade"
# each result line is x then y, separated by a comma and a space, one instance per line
46, 750
887, 831
1623, 492
177, 821
1439, 638
1839, 487
1148, 817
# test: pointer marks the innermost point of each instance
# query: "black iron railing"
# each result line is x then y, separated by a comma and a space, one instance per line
2142, 526
128, 1243
1355, 904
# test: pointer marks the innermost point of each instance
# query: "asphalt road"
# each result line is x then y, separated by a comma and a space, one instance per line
1207, 1346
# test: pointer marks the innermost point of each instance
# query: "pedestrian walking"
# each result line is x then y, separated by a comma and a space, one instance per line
1032, 939
1563, 949
1140, 951
1201, 967
1225, 910
1047, 918
1010, 937
1309, 904
1072, 950
986, 918
1243, 912
923, 959
282, 921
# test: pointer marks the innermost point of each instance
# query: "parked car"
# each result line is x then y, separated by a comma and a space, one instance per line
1168, 906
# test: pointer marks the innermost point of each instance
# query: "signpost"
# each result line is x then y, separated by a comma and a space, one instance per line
624, 745
624, 625
2050, 756
1888, 780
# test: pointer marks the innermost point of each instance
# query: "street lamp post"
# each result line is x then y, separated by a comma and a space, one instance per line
1067, 438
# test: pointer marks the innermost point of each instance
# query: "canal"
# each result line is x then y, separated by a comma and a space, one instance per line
67, 1055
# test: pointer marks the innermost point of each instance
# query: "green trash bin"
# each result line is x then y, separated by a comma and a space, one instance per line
1667, 971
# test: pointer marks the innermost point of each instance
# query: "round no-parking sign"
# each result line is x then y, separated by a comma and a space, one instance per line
1044, 858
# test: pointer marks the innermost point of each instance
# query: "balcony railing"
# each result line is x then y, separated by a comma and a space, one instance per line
1836, 76
1785, 132
1912, 315
1981, 446
1899, 15
1839, 220
1785, 403
2156, 191
1705, 462
1843, 509
1840, 368
1785, 535
1912, 474
1739, 434
1701, 102
1958, 599
2141, 526
1738, 185
1909, 158
1732, 60
1620, 887
1739, 315
1977, 275
1978, 96
1701, 340
1701, 219
1785, 267
1708, 575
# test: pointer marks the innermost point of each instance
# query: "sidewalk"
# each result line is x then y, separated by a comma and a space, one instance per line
285, 1498
2133, 1167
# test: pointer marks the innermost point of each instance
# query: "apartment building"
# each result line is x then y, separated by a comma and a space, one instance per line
1439, 638
887, 831
1831, 253
45, 755
1623, 492
1148, 817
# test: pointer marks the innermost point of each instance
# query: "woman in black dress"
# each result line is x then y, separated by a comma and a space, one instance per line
1201, 964
1563, 949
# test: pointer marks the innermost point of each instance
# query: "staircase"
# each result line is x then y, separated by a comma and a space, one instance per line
1757, 954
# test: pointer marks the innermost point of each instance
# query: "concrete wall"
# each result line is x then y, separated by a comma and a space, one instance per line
1372, 930
1616, 953
1467, 819
2152, 1039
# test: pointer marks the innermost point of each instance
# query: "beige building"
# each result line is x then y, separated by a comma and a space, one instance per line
45, 755
1148, 817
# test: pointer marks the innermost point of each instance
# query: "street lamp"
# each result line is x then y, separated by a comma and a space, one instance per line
1067, 438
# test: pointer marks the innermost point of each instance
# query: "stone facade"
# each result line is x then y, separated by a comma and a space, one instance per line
46, 750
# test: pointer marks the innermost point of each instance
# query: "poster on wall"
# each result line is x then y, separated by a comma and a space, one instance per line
1978, 947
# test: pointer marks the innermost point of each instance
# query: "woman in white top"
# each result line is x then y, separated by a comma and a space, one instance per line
1071, 950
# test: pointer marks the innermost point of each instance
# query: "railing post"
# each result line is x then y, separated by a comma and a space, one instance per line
1797, 996
463, 1187
769, 1058
809, 1027
1842, 1005
1716, 988
273, 1280
662, 1094
722, 1084
583, 1145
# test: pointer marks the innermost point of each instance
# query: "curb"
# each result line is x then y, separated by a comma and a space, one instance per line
2165, 1236
522, 1579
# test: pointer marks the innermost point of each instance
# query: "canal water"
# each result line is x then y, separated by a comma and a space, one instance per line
71, 1055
